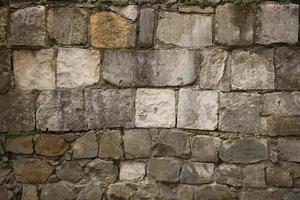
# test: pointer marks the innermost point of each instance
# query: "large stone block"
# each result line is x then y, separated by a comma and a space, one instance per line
228, 174
60, 111
252, 69
34, 69
77, 67
164, 169
192, 30
205, 148
50, 145
103, 108
289, 150
3, 25
28, 27
197, 109
280, 126
5, 71
146, 27
277, 23
155, 108
21, 144
197, 173
86, 146
239, 112
110, 144
132, 171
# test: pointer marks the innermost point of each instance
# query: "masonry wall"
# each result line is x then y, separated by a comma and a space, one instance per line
148, 100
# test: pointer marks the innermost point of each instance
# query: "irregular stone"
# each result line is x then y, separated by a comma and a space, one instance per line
77, 67
28, 27
67, 25
254, 176
184, 30
289, 150
239, 112
278, 177
197, 173
244, 151
109, 30
292, 196
285, 30
102, 170
205, 148
214, 191
146, 27
196, 9
5, 69
17, 111
29, 170
268, 194
214, 74
155, 108
34, 69
252, 70
280, 126
164, 169
3, 25
197, 109
3, 192
21, 144
70, 171
122, 191
92, 191
129, 11
172, 143
132, 171
60, 110
137, 143
29, 192
86, 146
60, 190
229, 175
127, 68
287, 64
103, 108
50, 145
110, 145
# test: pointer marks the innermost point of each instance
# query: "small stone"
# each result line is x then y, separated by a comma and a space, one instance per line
215, 191
132, 171
146, 27
21, 144
197, 173
155, 108
122, 191
28, 27
254, 176
164, 169
229, 175
29, 192
70, 171
197, 109
269, 194
77, 67
278, 177
280, 126
109, 30
205, 148
289, 150
92, 191
110, 145
129, 11
244, 151
5, 69
60, 190
3, 25
51, 145
86, 146
102, 170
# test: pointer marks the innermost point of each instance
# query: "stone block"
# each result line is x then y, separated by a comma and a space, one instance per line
278, 177
280, 126
254, 176
132, 171
228, 174
289, 150
29, 192
215, 191
5, 71
146, 27
110, 144
21, 144
70, 171
122, 190
50, 145
102, 170
269, 194
86, 146
164, 169
197, 173
60, 190
205, 148
92, 191
3, 26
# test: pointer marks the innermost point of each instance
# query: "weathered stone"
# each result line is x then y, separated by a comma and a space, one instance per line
244, 151
17, 111
137, 143
110, 145
129, 11
164, 169
205, 148
5, 70
172, 143
252, 69
287, 64
214, 74
29, 192
61, 190
103, 108
51, 145
122, 191
239, 112
215, 191
70, 171
132, 171
4, 192
197, 109
128, 68
229, 175
86, 146
77, 67
102, 170
32, 170
3, 25
34, 69
254, 176
280, 126
269, 194
185, 30
196, 9
68, 25
278, 177
146, 27
108, 30
235, 24
60, 110
197, 173
21, 144
155, 108
292, 196
92, 191
289, 150
27, 26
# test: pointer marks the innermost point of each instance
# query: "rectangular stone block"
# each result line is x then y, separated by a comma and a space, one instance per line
132, 171
3, 25
197, 173
5, 71
110, 144
289, 150
229, 174
192, 30
164, 169
205, 148
278, 177
254, 176
146, 27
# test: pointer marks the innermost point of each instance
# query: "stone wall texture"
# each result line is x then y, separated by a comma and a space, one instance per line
149, 100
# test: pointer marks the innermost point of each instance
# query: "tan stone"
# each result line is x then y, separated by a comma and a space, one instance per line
110, 145
21, 144
29, 192
51, 145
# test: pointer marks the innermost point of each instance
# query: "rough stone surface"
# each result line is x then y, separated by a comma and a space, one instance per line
244, 151
280, 126
22, 144
229, 175
214, 192
102, 170
5, 70
103, 108
292, 196
109, 30
269, 194
289, 150
110, 145
129, 11
120, 191
185, 30
3, 25
164, 169
86, 146
29, 192
50, 145
93, 191
239, 112
60, 190
278, 177
254, 176
205, 148
70, 171
197, 109
132, 171
155, 108
77, 67
147, 27
197, 173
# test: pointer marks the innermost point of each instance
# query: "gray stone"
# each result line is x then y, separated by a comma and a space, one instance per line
103, 108
29, 192
123, 191
129, 11
278, 177
292, 196
164, 169
86, 146
205, 148
280, 126
110, 145
254, 176
197, 173
68, 25
196, 9
70, 171
92, 191
146, 27
50, 145
229, 175
132, 171
28, 27
60, 191
289, 150
128, 68
197, 109
3, 25
22, 144
102, 170
5, 70
239, 112
269, 194
60, 110
214, 192
192, 30
244, 151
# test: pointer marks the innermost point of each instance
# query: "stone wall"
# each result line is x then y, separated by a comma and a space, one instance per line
149, 100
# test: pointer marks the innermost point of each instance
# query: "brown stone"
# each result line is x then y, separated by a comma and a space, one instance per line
86, 146
280, 126
51, 145
278, 177
3, 25
70, 171
22, 144
5, 69
110, 145
29, 192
